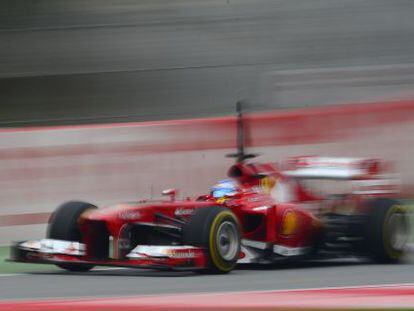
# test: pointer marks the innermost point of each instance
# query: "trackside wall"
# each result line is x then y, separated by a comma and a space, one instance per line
42, 167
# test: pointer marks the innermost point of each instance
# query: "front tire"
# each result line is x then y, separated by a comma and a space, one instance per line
217, 230
387, 230
63, 225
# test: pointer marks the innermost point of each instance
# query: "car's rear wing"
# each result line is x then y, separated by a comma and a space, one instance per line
308, 167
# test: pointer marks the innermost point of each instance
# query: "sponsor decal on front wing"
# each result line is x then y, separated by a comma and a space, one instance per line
178, 252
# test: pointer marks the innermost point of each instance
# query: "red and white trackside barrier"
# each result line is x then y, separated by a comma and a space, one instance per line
375, 297
103, 164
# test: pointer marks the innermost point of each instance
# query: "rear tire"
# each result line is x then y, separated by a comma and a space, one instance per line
63, 225
387, 230
217, 230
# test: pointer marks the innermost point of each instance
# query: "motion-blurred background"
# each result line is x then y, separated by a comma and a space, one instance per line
87, 62
103, 61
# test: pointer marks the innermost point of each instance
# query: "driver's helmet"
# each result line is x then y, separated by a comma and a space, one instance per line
223, 188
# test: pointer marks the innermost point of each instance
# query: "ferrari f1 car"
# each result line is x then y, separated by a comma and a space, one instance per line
263, 213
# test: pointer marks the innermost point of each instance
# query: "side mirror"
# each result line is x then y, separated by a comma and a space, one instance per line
172, 193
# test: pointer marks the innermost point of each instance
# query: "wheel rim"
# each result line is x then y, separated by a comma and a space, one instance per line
227, 240
398, 231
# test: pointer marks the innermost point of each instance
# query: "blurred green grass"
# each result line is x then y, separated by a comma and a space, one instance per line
14, 267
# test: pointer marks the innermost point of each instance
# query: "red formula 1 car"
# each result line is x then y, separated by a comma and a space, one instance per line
259, 215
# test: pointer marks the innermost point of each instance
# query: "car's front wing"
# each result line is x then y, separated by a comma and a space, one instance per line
48, 251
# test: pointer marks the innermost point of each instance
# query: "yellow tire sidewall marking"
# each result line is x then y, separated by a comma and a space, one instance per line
215, 257
393, 253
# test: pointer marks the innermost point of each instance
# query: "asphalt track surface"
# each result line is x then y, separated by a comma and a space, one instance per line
118, 282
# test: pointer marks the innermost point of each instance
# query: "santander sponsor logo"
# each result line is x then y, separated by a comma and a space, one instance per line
183, 211
181, 254
129, 215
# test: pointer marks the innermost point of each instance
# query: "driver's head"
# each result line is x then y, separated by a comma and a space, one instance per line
223, 188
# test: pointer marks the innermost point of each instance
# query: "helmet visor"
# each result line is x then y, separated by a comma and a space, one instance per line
219, 193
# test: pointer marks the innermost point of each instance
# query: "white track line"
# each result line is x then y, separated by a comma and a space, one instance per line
11, 274
51, 272
110, 268
285, 290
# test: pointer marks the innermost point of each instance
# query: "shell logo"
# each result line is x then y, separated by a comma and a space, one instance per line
290, 223
268, 183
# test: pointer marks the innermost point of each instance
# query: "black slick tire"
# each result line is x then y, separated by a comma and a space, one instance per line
217, 230
63, 225
384, 243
